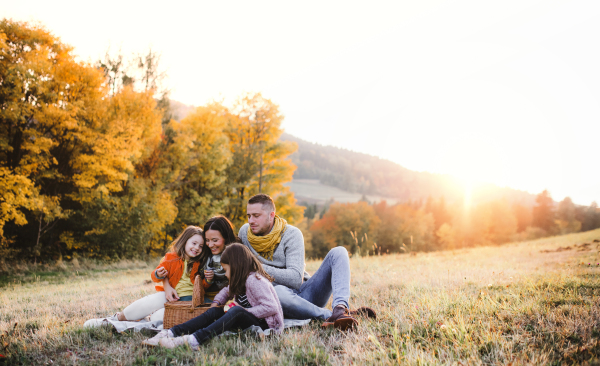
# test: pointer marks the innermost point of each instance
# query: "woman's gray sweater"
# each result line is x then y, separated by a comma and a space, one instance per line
287, 266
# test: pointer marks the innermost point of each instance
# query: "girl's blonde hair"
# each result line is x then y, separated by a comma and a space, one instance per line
178, 245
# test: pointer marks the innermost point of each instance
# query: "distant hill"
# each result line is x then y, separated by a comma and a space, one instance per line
326, 172
179, 110
378, 178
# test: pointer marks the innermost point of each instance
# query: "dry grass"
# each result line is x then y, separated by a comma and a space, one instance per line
522, 303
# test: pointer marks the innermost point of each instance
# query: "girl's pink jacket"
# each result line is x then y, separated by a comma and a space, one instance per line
263, 298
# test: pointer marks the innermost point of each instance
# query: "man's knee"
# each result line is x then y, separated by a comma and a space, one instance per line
284, 293
339, 252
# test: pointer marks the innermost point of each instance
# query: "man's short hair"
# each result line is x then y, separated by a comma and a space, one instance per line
265, 200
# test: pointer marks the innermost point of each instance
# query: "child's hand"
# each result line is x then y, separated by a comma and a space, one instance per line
162, 272
229, 306
171, 294
209, 274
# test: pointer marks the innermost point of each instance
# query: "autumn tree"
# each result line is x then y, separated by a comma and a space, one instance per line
352, 225
50, 104
523, 215
591, 218
439, 211
195, 164
260, 162
492, 223
543, 212
404, 228
566, 217
67, 143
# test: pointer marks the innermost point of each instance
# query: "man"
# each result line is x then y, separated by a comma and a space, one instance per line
280, 248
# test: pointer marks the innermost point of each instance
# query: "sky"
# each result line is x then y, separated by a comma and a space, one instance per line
506, 92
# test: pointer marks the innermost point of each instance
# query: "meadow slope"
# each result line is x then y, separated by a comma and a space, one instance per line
523, 303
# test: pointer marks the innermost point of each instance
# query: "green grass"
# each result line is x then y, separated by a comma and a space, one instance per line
514, 304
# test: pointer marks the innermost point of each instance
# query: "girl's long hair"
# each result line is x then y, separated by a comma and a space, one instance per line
178, 245
223, 226
241, 263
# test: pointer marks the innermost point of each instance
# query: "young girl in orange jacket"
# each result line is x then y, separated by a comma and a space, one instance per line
177, 272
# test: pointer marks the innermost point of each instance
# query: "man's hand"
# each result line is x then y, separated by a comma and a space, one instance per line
162, 272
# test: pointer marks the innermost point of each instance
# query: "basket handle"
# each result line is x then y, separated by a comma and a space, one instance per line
198, 294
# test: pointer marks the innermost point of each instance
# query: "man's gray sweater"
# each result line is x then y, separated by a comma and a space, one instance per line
287, 266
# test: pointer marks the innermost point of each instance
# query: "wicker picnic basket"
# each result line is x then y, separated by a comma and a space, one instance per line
177, 312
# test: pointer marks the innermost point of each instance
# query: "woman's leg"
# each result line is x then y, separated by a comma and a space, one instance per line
236, 317
145, 306
201, 321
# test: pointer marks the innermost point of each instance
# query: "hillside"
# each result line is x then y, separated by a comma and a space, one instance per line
363, 174
326, 172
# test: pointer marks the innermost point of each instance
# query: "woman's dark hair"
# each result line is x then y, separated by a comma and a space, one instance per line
223, 226
241, 263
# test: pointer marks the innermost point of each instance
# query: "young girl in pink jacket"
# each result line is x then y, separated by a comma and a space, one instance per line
255, 303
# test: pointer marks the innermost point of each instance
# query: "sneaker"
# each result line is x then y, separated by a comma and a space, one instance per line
153, 342
363, 311
172, 342
340, 319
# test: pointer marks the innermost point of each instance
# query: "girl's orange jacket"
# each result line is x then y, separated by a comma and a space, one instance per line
174, 265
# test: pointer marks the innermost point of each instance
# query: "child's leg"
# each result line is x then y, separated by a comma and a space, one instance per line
158, 315
236, 318
201, 321
145, 306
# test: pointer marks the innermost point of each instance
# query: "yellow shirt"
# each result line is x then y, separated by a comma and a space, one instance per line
184, 286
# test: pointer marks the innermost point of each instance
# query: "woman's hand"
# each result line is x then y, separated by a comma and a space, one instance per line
214, 305
162, 272
209, 275
170, 292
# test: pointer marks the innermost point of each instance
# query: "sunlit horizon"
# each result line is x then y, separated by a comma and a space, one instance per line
501, 93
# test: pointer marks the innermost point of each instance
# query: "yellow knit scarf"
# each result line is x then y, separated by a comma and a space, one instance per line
266, 245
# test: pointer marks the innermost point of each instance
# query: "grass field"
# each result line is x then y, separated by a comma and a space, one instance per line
313, 191
523, 303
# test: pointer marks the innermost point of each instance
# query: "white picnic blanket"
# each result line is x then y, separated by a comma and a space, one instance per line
157, 325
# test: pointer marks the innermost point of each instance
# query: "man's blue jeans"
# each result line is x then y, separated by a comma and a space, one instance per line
332, 277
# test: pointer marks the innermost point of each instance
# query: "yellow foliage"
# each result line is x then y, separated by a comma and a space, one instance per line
261, 163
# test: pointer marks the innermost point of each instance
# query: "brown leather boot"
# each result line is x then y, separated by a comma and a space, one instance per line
363, 311
340, 319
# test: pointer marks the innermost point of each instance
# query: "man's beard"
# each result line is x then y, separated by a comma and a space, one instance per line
262, 232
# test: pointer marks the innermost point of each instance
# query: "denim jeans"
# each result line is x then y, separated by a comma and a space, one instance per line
216, 321
207, 300
332, 277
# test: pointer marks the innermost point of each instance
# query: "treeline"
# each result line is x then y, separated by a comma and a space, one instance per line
370, 175
435, 225
91, 162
